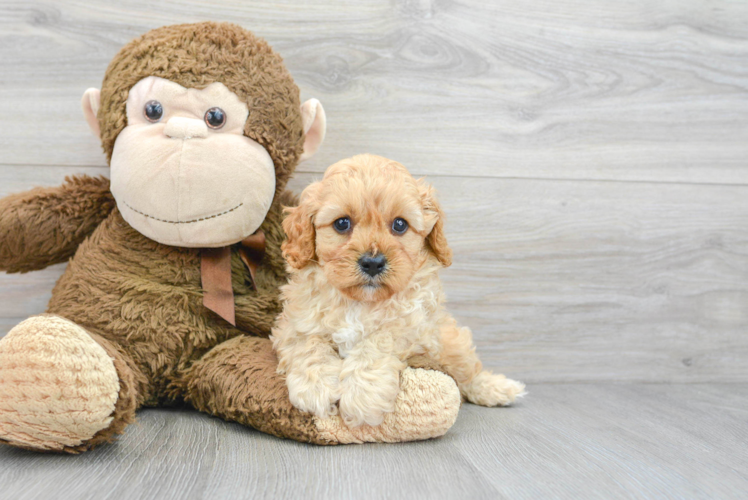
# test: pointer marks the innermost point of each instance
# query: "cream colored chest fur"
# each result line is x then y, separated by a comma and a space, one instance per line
401, 336
404, 325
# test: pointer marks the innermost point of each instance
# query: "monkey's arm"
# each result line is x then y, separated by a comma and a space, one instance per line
44, 226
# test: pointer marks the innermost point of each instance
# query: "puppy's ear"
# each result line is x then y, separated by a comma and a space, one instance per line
434, 220
298, 249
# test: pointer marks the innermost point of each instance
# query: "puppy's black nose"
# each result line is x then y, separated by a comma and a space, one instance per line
372, 265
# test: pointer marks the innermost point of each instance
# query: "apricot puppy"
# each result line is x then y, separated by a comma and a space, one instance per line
364, 249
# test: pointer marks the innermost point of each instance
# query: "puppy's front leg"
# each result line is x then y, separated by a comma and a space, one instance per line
312, 369
370, 383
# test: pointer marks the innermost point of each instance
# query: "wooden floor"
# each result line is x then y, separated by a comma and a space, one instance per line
575, 441
592, 159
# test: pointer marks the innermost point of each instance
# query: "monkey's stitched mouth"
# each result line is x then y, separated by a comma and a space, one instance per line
185, 221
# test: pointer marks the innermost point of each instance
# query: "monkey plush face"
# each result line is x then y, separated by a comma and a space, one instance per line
202, 127
183, 172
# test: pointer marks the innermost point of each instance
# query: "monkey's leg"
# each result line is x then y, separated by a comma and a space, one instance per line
63, 388
237, 381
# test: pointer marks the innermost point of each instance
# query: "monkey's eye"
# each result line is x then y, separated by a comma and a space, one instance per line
399, 226
215, 118
153, 111
342, 225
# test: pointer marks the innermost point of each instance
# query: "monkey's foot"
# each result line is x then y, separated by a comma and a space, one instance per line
426, 408
58, 386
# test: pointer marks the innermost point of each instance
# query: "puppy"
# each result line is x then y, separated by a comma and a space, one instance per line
364, 249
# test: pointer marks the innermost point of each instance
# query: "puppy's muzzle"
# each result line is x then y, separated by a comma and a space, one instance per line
372, 264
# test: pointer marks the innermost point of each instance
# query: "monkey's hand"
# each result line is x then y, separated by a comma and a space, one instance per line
44, 226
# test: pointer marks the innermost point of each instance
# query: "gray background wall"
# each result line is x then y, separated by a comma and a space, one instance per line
592, 156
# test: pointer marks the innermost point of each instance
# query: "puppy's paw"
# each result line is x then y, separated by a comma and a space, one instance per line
488, 389
316, 395
426, 407
368, 395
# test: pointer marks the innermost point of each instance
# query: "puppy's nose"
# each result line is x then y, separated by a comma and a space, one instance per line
372, 265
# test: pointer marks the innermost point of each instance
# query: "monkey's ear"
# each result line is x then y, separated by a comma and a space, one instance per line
315, 125
90, 103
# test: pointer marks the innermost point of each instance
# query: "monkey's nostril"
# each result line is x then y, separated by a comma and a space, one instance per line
372, 265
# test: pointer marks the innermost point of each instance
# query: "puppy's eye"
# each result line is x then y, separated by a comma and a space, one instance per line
342, 225
399, 226
153, 111
215, 118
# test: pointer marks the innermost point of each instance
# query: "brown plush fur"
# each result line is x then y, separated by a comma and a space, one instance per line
140, 300
250, 392
45, 226
119, 277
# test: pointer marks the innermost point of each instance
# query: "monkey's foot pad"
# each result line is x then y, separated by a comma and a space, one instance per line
58, 387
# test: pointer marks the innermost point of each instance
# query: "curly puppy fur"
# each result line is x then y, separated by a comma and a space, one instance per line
343, 336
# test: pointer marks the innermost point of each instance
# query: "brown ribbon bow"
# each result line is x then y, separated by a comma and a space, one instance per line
215, 273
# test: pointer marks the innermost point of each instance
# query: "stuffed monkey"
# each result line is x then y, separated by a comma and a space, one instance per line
174, 264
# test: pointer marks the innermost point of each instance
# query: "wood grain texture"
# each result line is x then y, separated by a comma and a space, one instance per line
566, 280
580, 89
563, 441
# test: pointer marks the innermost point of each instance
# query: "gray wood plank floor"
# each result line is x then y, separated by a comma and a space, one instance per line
563, 441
